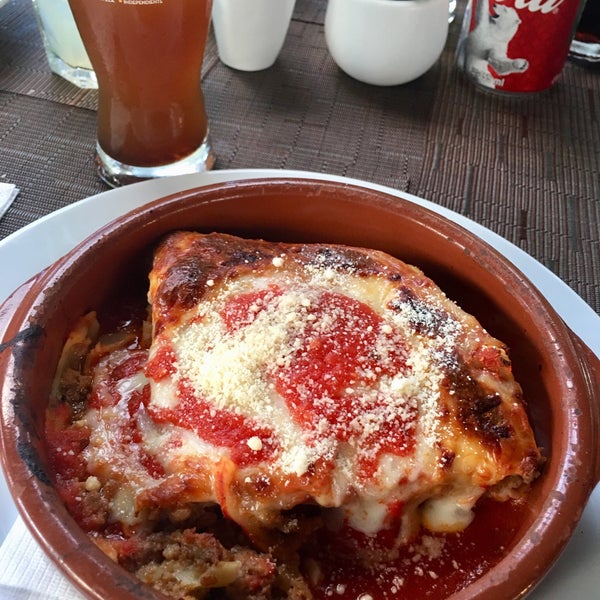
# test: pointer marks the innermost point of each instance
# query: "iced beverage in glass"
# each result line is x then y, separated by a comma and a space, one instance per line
62, 43
147, 55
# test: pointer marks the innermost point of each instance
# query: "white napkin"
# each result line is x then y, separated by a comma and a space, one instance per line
8, 192
26, 573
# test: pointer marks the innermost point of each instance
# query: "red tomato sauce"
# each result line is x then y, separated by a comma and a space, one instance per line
219, 427
241, 310
66, 443
335, 359
432, 567
162, 364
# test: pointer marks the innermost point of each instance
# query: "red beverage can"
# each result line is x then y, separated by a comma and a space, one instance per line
516, 46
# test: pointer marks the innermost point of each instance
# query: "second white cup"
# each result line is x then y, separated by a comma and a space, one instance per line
386, 42
250, 33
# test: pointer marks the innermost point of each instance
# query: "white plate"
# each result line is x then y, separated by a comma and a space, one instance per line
31, 249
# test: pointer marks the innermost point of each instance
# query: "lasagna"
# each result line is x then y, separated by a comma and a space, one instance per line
270, 391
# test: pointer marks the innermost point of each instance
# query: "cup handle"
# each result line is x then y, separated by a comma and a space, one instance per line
590, 364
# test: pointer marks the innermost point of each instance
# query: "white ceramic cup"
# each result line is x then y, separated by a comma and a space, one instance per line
386, 42
251, 33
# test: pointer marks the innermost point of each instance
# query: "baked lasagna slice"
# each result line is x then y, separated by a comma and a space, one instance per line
288, 387
285, 375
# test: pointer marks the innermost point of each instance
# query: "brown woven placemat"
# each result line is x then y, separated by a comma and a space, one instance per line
528, 169
23, 65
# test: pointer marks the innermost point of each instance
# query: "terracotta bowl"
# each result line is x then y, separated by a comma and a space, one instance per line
559, 375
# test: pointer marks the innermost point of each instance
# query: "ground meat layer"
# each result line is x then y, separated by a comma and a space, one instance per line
188, 565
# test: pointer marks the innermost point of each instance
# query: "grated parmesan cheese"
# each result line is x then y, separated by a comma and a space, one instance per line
234, 371
321, 383
255, 443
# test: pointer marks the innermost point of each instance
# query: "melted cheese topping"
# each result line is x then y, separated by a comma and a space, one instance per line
258, 372
302, 384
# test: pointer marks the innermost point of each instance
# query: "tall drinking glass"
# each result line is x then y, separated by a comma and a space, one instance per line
62, 43
147, 55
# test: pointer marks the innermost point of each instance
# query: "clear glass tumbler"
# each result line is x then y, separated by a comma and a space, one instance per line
64, 49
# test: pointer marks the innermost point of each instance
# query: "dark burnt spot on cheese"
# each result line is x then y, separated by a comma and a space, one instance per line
340, 259
243, 257
446, 457
184, 283
487, 403
424, 318
478, 410
256, 486
486, 411
225, 254
494, 428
